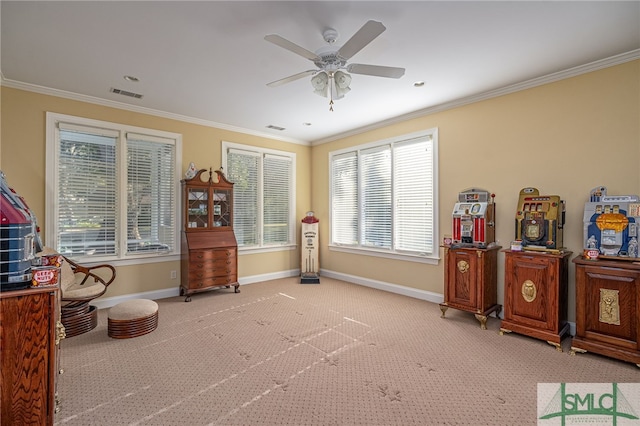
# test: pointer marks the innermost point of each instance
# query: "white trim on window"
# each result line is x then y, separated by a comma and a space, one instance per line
121, 134
252, 237
358, 231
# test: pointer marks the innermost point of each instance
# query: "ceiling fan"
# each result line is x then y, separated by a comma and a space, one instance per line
330, 77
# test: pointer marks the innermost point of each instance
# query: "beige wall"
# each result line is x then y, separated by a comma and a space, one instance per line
22, 159
563, 138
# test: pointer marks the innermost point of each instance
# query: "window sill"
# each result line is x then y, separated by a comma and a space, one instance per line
138, 260
430, 260
265, 249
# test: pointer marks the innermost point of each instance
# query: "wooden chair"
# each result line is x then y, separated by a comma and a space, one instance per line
80, 285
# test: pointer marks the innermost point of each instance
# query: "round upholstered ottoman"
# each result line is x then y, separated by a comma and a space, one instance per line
132, 318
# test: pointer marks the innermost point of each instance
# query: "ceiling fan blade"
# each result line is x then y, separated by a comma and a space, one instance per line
292, 47
291, 78
364, 36
376, 70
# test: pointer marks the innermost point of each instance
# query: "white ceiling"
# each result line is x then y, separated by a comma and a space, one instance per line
208, 60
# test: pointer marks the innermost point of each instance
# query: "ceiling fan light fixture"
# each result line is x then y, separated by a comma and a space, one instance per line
320, 83
341, 80
329, 80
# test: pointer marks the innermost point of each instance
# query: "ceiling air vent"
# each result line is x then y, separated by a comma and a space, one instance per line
126, 93
271, 126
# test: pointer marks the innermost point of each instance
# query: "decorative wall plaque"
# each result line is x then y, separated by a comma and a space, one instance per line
463, 266
529, 291
609, 306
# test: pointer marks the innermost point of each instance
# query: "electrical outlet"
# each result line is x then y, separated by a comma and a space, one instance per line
174, 275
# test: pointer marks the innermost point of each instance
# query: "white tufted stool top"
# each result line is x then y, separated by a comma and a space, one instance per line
132, 318
133, 309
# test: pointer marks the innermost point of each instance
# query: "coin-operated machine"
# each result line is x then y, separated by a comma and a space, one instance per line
611, 224
309, 267
474, 218
19, 239
540, 221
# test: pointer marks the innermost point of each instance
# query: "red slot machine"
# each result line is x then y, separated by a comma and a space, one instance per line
473, 218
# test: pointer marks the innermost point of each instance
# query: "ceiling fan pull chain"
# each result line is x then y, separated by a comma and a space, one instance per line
331, 92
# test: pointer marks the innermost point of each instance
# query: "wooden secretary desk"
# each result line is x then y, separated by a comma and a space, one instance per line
209, 250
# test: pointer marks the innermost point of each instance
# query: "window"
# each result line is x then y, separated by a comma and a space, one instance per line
383, 197
112, 190
263, 195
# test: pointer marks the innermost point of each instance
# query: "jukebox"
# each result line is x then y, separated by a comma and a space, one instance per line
611, 223
540, 220
473, 218
19, 239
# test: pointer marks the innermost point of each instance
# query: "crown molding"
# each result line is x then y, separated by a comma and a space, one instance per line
142, 110
528, 84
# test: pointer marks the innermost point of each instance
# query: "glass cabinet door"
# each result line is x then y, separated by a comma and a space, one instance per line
197, 208
221, 207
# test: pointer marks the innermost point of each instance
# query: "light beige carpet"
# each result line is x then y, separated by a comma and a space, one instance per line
334, 353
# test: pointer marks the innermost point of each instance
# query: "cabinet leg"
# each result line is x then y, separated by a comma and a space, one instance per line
483, 321
187, 299
443, 309
557, 345
236, 288
573, 351
504, 330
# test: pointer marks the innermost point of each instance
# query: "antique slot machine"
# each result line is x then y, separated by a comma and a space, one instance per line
611, 224
473, 218
540, 220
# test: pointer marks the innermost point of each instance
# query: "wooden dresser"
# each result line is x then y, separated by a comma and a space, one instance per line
535, 295
30, 333
607, 308
209, 250
471, 281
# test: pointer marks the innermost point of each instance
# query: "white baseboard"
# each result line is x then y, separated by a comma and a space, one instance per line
381, 285
107, 302
268, 277
428, 296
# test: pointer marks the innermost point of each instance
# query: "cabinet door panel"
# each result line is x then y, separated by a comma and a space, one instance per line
611, 308
462, 267
529, 294
27, 373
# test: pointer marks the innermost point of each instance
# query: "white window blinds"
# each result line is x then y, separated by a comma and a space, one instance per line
263, 195
87, 192
383, 196
151, 224
413, 189
277, 203
113, 192
377, 215
344, 189
244, 170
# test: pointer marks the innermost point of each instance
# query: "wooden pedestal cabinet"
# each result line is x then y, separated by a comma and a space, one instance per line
535, 295
471, 280
30, 333
607, 304
209, 251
